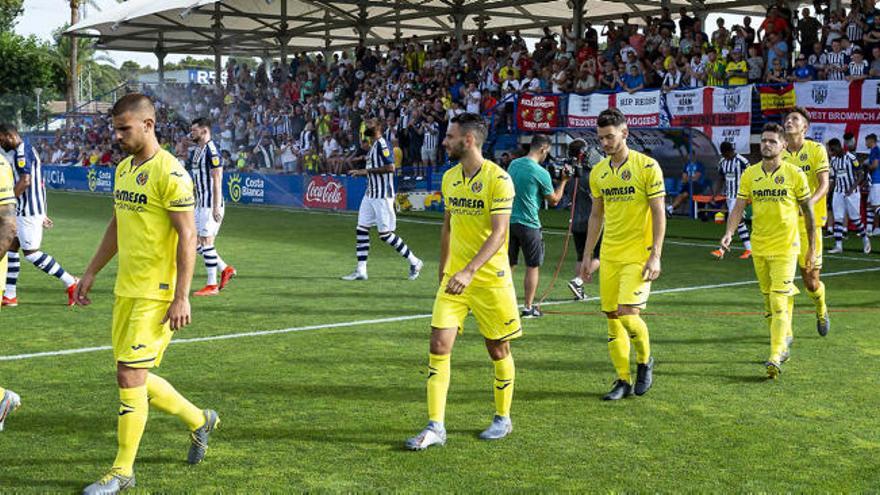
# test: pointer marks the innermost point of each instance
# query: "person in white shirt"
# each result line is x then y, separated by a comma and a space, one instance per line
332, 154
473, 98
530, 82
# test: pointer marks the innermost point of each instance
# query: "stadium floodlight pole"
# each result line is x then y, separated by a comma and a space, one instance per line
38, 92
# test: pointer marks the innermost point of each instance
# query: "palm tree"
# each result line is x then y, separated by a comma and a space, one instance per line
73, 69
80, 54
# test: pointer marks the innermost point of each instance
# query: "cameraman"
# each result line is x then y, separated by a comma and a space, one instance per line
579, 191
532, 185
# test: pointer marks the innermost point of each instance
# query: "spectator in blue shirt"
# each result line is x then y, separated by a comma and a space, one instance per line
873, 169
633, 80
693, 181
803, 71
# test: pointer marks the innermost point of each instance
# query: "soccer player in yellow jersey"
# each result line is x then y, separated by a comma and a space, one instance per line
812, 158
153, 232
776, 189
474, 276
9, 400
628, 194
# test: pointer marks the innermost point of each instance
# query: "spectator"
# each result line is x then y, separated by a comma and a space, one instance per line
802, 72
777, 73
715, 69
721, 36
808, 29
875, 64
777, 49
737, 70
634, 80
692, 180
672, 79
756, 65
858, 67
835, 62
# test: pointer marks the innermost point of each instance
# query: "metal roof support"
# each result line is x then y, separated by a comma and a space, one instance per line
577, 14
160, 58
283, 38
218, 34
362, 27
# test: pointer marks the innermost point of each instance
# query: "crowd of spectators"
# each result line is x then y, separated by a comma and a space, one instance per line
308, 115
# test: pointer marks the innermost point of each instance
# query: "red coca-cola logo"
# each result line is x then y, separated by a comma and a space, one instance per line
325, 192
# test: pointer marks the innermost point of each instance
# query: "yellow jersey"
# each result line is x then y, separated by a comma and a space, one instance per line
813, 160
740, 66
775, 206
625, 192
471, 204
7, 183
142, 198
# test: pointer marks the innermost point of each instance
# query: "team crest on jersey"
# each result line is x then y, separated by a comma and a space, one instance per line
142, 178
626, 175
476, 187
803, 157
779, 180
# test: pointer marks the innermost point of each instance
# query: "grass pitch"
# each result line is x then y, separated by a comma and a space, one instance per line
326, 407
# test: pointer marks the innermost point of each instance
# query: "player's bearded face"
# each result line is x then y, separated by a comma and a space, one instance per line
131, 131
771, 145
612, 139
454, 143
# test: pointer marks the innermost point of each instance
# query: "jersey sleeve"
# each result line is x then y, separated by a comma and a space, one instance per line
387, 159
821, 159
595, 190
212, 157
502, 195
178, 193
21, 162
745, 185
801, 186
654, 185
7, 188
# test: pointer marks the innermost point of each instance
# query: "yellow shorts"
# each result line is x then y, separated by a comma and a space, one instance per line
776, 274
139, 336
622, 284
494, 308
805, 243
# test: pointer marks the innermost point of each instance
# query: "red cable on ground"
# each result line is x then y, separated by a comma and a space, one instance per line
564, 246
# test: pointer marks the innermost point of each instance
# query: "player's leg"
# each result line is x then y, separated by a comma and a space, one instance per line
854, 212
838, 209
632, 298
10, 296
533, 254
30, 236
781, 272
9, 402
447, 318
874, 210
496, 313
387, 224
814, 286
618, 340
366, 219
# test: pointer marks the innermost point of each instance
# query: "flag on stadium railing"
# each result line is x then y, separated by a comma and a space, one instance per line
538, 112
776, 99
838, 107
723, 114
642, 109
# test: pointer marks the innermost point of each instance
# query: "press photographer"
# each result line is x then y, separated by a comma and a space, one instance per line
580, 160
533, 185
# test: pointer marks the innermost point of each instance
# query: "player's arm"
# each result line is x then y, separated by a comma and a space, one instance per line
185, 225
8, 226
658, 234
444, 245
458, 282
24, 182
733, 221
106, 251
217, 186
810, 223
594, 227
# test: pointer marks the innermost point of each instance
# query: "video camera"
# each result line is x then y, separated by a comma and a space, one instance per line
575, 164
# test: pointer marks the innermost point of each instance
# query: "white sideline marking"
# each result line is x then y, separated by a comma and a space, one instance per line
260, 333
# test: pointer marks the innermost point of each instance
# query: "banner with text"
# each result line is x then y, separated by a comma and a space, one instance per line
776, 99
538, 112
839, 107
642, 109
723, 114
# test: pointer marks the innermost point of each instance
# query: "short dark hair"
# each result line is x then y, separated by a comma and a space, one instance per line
726, 147
773, 127
133, 102
802, 111
202, 122
539, 140
8, 128
834, 143
871, 136
472, 122
609, 117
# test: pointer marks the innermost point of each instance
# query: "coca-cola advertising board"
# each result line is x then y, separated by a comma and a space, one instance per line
324, 192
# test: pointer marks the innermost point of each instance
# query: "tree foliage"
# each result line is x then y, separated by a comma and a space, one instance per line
9, 12
26, 64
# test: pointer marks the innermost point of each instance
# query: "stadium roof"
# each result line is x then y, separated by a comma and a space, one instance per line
261, 27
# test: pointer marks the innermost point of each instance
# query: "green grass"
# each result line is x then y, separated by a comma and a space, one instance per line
328, 409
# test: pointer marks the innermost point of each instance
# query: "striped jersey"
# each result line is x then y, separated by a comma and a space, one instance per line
25, 161
844, 169
380, 185
731, 170
431, 137
205, 159
837, 60
305, 141
858, 68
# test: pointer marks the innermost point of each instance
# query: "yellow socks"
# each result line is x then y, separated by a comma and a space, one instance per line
133, 408
166, 399
780, 325
638, 333
768, 313
438, 385
618, 348
2, 391
504, 374
818, 298
790, 329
